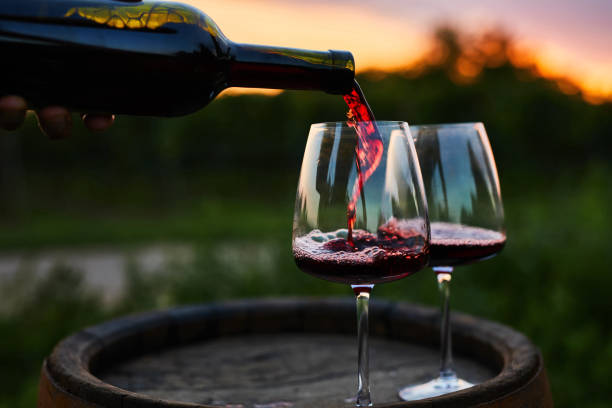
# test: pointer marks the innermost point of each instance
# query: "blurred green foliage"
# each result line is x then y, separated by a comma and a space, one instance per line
227, 176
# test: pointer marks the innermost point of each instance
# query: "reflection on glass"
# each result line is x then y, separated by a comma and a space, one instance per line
140, 16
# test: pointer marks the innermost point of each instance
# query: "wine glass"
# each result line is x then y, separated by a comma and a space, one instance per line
360, 215
466, 218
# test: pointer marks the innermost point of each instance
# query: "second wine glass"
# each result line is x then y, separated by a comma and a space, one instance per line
360, 215
467, 222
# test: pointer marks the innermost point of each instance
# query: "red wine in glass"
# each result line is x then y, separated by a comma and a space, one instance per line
456, 244
391, 254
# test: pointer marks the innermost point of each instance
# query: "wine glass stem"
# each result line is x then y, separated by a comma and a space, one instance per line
444, 276
363, 361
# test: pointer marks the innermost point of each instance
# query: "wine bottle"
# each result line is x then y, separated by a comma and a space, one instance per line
143, 58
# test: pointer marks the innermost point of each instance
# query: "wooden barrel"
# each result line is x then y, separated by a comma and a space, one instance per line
283, 353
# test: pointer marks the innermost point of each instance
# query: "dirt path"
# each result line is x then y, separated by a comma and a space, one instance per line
103, 269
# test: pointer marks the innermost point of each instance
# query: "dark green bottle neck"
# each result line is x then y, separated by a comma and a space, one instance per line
259, 66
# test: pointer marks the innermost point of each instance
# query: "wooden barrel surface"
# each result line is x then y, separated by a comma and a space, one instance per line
285, 353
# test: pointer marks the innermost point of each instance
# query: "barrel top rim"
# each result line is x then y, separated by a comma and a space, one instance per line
69, 366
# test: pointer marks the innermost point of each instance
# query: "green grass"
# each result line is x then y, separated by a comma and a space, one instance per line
206, 221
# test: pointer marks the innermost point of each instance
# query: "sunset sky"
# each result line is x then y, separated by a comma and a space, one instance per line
566, 38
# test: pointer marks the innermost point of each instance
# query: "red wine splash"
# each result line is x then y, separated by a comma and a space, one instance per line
369, 148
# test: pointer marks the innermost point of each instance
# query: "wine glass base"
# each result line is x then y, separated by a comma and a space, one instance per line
353, 400
434, 388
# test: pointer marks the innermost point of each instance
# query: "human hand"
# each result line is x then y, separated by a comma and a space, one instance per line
54, 121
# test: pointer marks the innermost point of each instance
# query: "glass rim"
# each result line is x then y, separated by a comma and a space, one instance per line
382, 123
457, 124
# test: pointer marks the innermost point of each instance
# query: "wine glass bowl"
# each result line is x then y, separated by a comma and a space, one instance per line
390, 232
360, 214
463, 191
